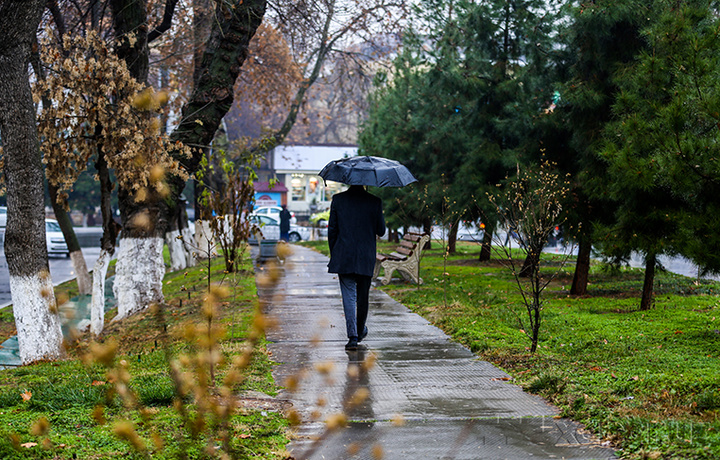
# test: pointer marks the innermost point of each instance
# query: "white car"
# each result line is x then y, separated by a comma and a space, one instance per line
54, 238
274, 211
270, 228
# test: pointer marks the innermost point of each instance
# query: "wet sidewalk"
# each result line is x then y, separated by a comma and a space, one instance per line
426, 397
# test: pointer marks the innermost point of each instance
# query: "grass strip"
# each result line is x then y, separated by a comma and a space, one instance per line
49, 410
649, 381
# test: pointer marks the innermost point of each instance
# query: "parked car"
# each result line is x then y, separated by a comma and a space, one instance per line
54, 238
274, 211
270, 229
320, 220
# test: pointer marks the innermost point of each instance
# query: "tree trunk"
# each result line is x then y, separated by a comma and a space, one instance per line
84, 281
175, 240
97, 303
486, 250
393, 236
530, 264
140, 267
427, 228
647, 301
582, 267
34, 307
107, 247
452, 237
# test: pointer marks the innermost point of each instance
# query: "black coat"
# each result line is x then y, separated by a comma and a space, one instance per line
285, 217
356, 219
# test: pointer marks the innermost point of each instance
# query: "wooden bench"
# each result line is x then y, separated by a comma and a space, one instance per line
405, 259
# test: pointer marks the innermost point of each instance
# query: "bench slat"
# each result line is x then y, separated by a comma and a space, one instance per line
404, 251
408, 244
412, 237
393, 256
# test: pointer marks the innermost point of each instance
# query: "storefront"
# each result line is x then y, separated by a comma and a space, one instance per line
267, 195
297, 168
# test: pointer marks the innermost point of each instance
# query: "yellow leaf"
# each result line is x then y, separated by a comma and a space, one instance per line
26, 396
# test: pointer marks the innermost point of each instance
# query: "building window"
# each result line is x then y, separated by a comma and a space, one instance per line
297, 187
331, 188
314, 190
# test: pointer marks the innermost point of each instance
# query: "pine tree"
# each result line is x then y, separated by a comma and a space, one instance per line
460, 103
605, 36
661, 150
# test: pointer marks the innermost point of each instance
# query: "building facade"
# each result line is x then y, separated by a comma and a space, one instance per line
296, 168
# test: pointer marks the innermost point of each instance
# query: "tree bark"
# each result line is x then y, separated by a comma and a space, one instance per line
582, 267
175, 239
107, 247
530, 264
486, 250
140, 267
647, 301
130, 19
427, 228
34, 307
452, 237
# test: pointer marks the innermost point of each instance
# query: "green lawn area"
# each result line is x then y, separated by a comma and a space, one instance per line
647, 381
74, 408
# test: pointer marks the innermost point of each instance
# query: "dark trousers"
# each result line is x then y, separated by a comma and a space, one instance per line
355, 291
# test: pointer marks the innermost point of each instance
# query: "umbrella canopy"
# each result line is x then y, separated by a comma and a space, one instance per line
368, 170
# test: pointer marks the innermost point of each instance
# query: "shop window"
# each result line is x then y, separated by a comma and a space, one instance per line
297, 187
314, 191
331, 188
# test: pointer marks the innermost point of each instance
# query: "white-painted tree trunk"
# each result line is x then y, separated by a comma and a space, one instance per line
97, 303
204, 240
188, 244
138, 275
176, 247
36, 318
84, 281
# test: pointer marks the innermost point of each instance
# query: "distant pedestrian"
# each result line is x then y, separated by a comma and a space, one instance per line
285, 223
356, 219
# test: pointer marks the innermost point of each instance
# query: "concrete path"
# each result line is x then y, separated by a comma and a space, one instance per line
426, 397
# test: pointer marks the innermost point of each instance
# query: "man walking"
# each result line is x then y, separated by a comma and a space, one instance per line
285, 223
356, 219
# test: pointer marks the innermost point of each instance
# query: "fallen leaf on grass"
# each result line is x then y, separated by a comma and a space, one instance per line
26, 396
595, 368
28, 445
504, 379
97, 383
244, 436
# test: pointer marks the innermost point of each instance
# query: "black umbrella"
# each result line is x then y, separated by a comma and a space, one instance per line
367, 170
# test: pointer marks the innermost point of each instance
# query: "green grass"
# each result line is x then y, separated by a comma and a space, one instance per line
66, 392
648, 381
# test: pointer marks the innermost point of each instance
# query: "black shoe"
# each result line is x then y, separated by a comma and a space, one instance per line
352, 344
363, 335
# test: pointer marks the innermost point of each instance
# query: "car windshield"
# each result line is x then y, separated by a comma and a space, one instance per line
52, 227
